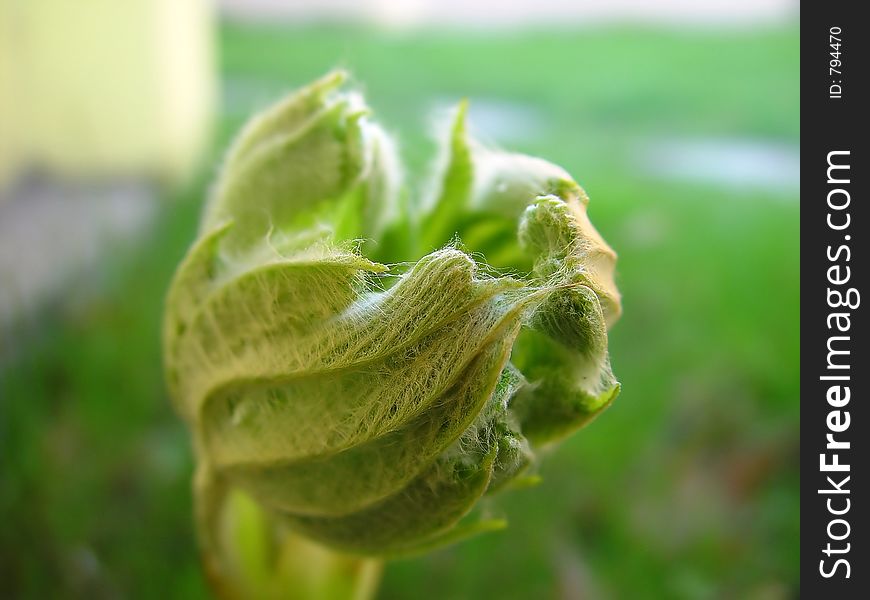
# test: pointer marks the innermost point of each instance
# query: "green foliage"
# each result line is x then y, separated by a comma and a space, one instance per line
688, 487
370, 406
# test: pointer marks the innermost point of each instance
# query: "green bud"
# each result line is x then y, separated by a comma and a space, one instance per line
370, 406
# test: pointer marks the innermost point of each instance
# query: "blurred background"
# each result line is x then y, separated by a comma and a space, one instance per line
680, 118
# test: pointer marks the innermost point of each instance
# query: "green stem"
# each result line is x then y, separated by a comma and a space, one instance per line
313, 572
249, 554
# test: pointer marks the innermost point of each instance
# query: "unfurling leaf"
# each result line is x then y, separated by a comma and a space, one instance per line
369, 405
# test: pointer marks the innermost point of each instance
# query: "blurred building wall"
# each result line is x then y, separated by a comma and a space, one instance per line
103, 88
498, 13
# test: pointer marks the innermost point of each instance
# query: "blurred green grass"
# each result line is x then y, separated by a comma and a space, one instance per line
686, 488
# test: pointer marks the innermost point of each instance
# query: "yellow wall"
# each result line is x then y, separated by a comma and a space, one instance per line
94, 88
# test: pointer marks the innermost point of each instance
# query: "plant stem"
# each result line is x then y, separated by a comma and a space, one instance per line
248, 553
